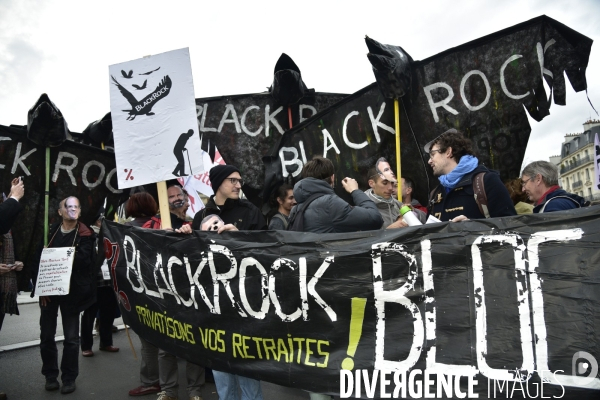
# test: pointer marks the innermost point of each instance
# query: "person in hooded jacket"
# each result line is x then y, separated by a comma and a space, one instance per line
329, 213
539, 181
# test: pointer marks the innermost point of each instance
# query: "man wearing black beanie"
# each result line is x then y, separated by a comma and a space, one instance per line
237, 214
227, 183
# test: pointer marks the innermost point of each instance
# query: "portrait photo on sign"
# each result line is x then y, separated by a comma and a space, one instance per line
154, 119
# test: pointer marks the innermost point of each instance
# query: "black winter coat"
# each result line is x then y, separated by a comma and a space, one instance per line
241, 213
461, 199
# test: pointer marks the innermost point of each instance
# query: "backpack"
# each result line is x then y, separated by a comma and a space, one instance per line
296, 221
562, 197
282, 218
478, 193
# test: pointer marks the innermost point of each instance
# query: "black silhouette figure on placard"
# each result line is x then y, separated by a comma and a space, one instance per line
144, 106
178, 152
138, 87
149, 72
127, 75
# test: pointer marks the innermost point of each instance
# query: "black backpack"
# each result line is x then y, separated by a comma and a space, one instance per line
296, 221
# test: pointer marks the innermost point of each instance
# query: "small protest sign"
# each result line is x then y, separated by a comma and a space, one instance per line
55, 271
154, 119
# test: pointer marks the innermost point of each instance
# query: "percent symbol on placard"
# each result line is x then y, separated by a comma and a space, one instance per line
129, 176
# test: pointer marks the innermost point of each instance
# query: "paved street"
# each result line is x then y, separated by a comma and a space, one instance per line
104, 376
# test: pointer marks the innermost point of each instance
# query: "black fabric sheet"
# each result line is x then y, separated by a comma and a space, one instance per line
496, 300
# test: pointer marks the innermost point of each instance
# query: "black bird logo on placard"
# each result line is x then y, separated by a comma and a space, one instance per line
127, 75
149, 72
144, 106
138, 87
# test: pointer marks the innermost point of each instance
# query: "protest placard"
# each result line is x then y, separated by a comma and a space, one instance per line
153, 113
55, 271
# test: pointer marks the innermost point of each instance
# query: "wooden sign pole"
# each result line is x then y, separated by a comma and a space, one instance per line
163, 205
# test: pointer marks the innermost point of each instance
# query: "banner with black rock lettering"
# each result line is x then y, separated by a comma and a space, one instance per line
484, 88
490, 308
245, 128
75, 170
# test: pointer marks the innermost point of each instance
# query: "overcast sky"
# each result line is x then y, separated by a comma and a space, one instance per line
63, 48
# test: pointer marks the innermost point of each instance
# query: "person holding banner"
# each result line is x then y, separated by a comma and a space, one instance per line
141, 208
539, 181
69, 232
236, 214
452, 159
226, 203
380, 192
325, 211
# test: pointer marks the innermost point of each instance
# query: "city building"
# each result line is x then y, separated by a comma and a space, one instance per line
577, 162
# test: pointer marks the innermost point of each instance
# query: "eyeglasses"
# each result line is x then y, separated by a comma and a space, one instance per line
524, 181
432, 152
235, 181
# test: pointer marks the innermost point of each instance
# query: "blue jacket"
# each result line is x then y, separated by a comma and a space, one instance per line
561, 200
330, 213
461, 199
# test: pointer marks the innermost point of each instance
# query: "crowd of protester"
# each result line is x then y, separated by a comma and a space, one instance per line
466, 190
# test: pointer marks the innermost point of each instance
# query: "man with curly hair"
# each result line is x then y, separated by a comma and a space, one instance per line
452, 159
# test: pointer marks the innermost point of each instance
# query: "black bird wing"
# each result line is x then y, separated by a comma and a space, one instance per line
138, 87
128, 96
149, 72
127, 75
164, 84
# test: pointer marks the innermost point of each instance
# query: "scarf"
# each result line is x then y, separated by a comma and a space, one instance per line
466, 164
372, 194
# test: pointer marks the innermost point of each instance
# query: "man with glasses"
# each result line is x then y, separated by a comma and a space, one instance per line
453, 162
539, 181
227, 184
237, 214
68, 232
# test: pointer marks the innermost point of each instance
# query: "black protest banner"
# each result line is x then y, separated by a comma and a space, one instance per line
484, 87
495, 308
353, 133
75, 170
480, 88
245, 128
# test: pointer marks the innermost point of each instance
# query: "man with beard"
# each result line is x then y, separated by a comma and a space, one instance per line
453, 162
178, 206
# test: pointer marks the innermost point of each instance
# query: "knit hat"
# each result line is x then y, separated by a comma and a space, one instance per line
218, 173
